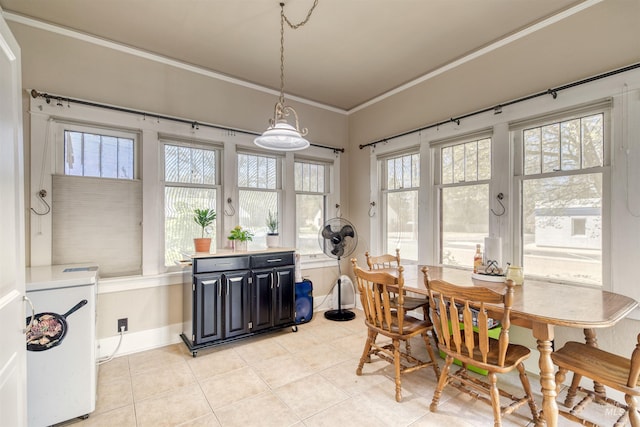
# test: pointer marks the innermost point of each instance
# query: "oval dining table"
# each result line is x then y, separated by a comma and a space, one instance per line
541, 306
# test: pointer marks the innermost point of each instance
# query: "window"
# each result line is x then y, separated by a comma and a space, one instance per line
311, 186
562, 198
95, 185
401, 179
259, 184
91, 154
464, 200
191, 182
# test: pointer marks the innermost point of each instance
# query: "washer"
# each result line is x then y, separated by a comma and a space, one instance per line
62, 378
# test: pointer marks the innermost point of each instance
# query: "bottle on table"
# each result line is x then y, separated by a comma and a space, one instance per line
477, 259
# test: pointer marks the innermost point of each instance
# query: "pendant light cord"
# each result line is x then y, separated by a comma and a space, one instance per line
284, 19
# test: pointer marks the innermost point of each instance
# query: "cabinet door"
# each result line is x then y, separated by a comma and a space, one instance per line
262, 299
284, 300
237, 303
207, 308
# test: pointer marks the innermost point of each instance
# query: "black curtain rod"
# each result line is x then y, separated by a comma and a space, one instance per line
194, 124
498, 108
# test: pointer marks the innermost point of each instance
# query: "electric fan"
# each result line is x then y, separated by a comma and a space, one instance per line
338, 239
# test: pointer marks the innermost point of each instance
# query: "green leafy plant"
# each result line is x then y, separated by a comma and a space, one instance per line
272, 223
204, 218
241, 234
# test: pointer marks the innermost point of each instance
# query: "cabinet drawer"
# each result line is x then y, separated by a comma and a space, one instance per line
207, 265
272, 260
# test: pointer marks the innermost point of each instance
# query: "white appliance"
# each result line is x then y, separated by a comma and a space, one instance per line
61, 368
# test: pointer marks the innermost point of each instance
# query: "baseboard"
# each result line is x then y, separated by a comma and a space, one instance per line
134, 342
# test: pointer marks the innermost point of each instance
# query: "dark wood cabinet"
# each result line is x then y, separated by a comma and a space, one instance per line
235, 296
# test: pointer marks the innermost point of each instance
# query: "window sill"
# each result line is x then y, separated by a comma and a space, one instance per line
132, 283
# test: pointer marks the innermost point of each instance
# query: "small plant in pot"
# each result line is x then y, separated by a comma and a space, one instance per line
273, 239
204, 218
239, 238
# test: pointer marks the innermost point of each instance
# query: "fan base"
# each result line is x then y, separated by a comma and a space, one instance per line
339, 315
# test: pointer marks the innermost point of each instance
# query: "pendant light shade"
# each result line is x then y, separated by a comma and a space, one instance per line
280, 135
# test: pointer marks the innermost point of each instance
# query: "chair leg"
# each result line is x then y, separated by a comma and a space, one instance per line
524, 379
396, 364
495, 398
371, 338
632, 404
432, 355
560, 376
442, 381
573, 390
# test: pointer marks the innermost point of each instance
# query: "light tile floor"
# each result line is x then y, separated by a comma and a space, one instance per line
306, 378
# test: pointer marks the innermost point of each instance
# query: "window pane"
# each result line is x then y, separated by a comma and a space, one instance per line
253, 209
257, 171
87, 154
73, 153
209, 167
179, 227
465, 222
552, 248
125, 158
570, 144
484, 159
532, 150
447, 165
91, 155
550, 148
402, 223
309, 217
415, 168
592, 141
471, 161
458, 163
109, 157
184, 164
196, 166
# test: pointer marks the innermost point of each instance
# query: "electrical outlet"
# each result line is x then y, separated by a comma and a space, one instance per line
123, 322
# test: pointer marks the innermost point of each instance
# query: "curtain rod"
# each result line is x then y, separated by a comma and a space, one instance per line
498, 108
194, 124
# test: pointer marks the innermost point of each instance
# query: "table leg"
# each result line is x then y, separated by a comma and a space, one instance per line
590, 339
544, 335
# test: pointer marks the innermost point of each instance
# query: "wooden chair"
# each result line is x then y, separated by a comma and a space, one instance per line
377, 291
383, 261
617, 372
388, 261
462, 323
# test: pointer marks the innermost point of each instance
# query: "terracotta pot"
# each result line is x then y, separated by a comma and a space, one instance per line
273, 240
203, 244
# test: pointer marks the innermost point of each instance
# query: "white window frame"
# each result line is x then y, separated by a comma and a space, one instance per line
328, 179
175, 141
381, 162
516, 130
62, 126
436, 148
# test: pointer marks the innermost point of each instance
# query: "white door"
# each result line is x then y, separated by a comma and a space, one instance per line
13, 358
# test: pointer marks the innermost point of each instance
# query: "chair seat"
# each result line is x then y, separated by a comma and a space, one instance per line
411, 303
609, 369
515, 355
411, 326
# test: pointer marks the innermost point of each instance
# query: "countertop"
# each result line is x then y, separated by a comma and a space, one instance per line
231, 252
55, 276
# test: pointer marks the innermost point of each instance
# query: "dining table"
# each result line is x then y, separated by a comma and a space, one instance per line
539, 306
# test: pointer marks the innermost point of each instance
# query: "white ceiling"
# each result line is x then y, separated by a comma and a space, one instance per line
350, 51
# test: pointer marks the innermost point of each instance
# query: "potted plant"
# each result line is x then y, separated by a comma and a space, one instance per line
204, 218
239, 237
272, 233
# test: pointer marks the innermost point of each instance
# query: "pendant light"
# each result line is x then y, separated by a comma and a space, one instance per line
281, 135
